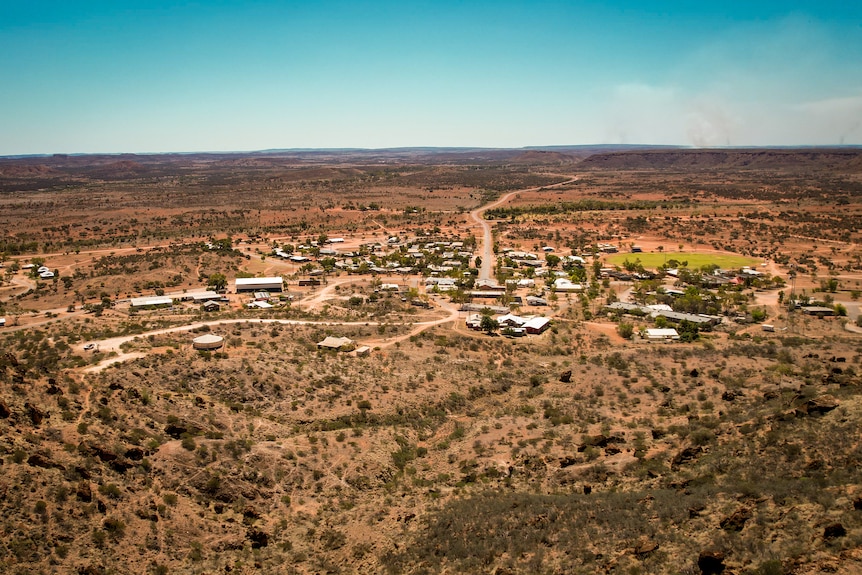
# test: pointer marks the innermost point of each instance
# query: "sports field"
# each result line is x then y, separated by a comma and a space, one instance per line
652, 260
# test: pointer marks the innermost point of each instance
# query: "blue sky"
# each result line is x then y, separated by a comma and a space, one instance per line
160, 76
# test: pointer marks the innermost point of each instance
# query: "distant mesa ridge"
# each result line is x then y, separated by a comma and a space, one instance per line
844, 158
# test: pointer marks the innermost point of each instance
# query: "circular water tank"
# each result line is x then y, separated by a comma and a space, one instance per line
208, 341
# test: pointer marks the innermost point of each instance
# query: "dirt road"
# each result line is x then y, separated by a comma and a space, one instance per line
114, 344
312, 301
478, 215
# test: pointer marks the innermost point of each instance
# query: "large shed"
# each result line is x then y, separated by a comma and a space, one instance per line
259, 284
818, 311
151, 302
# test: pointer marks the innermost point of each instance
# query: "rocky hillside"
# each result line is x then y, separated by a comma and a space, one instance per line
452, 453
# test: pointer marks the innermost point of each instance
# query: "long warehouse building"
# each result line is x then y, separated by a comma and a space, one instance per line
259, 284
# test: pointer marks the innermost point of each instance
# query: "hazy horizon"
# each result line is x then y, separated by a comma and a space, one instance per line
168, 77
561, 148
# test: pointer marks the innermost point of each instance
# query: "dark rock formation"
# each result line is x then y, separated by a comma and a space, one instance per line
711, 562
736, 521
36, 415
833, 531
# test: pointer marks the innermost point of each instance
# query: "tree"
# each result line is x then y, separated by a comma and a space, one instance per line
688, 331
830, 285
552, 260
328, 264
223, 244
625, 330
217, 281
489, 324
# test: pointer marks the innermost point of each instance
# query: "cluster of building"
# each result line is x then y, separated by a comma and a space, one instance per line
718, 277
209, 300
44, 272
438, 257
343, 344
513, 259
665, 311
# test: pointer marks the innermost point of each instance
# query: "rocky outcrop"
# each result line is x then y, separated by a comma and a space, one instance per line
43, 461
736, 521
833, 531
688, 454
599, 441
258, 539
117, 462
711, 562
35, 414
817, 406
644, 548
84, 492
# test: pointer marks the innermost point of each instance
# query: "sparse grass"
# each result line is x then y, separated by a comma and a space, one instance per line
653, 260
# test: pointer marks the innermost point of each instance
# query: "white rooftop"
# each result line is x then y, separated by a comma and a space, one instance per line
256, 281
662, 332
536, 323
147, 301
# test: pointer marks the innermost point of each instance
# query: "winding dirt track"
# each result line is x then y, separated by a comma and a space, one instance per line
114, 343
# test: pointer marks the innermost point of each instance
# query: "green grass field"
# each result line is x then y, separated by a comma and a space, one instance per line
652, 260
